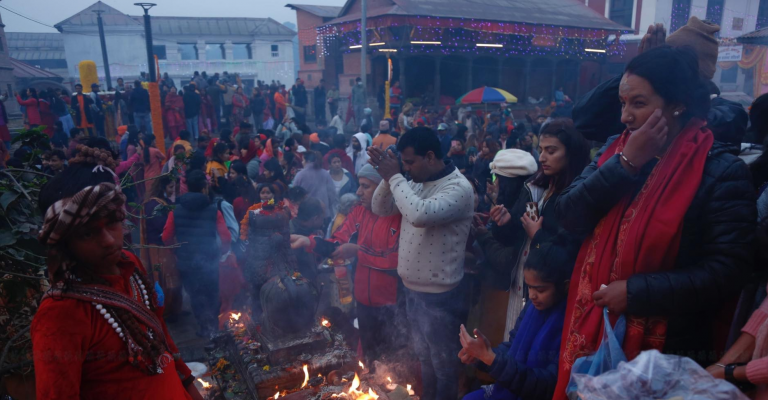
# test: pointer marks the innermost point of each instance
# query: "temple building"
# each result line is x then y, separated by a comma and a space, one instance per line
529, 48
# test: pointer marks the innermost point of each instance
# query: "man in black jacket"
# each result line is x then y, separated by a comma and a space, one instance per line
319, 101
200, 229
141, 109
299, 100
192, 110
597, 114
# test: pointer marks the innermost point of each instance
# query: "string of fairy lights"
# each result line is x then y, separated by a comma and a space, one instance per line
435, 35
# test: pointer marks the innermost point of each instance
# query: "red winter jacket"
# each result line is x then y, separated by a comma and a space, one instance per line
377, 237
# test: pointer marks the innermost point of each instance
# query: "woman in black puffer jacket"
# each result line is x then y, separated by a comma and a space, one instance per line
670, 216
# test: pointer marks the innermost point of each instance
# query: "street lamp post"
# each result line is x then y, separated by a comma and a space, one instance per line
148, 34
103, 48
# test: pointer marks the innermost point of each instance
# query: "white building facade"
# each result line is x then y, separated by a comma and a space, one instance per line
254, 48
735, 17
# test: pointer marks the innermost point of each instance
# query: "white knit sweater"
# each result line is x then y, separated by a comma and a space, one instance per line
433, 236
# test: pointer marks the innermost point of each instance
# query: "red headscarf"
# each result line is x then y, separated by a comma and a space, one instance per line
251, 154
638, 235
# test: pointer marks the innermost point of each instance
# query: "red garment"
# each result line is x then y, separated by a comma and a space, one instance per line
639, 235
173, 113
252, 153
169, 231
378, 240
346, 162
152, 167
78, 355
47, 118
207, 113
209, 149
33, 109
240, 206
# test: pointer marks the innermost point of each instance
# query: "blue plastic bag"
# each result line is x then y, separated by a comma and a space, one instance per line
607, 357
160, 294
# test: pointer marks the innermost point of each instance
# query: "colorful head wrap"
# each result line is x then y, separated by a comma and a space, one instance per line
65, 215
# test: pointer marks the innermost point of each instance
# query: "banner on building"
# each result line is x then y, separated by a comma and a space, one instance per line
729, 53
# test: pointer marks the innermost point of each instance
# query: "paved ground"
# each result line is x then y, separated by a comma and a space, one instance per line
183, 332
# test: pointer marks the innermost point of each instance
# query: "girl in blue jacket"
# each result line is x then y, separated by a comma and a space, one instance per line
525, 368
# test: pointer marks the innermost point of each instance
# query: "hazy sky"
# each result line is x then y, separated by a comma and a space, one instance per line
51, 12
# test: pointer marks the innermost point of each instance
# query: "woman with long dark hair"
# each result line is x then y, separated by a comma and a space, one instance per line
160, 199
32, 105
153, 160
670, 215
563, 155
173, 113
273, 174
101, 301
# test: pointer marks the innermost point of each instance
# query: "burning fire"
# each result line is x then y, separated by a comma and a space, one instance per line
306, 376
205, 384
358, 395
360, 363
276, 395
325, 323
234, 317
389, 379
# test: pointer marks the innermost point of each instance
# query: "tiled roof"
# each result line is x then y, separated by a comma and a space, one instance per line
565, 13
24, 70
35, 46
757, 37
320, 11
179, 25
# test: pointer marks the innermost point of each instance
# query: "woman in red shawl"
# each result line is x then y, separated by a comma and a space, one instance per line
99, 331
670, 215
239, 104
207, 114
173, 113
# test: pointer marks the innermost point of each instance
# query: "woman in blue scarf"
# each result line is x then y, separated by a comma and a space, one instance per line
525, 368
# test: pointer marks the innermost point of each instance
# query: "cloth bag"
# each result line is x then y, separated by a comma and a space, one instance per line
607, 357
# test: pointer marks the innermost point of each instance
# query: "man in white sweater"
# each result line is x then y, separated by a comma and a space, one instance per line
437, 209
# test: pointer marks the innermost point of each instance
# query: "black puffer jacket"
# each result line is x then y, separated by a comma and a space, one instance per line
597, 115
715, 254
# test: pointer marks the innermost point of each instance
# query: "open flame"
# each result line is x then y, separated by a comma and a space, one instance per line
276, 395
358, 395
306, 376
408, 387
355, 384
360, 363
205, 384
234, 317
389, 380
325, 323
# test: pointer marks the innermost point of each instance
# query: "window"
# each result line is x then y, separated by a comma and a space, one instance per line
681, 11
214, 51
241, 51
621, 12
310, 54
762, 15
715, 12
275, 51
738, 24
1, 44
188, 51
729, 75
159, 51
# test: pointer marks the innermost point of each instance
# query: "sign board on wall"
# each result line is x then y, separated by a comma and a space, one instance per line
729, 53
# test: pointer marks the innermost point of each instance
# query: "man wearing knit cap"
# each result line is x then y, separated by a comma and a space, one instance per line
374, 241
437, 209
384, 139
597, 115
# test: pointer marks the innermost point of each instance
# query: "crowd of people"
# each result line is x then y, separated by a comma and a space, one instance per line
639, 204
